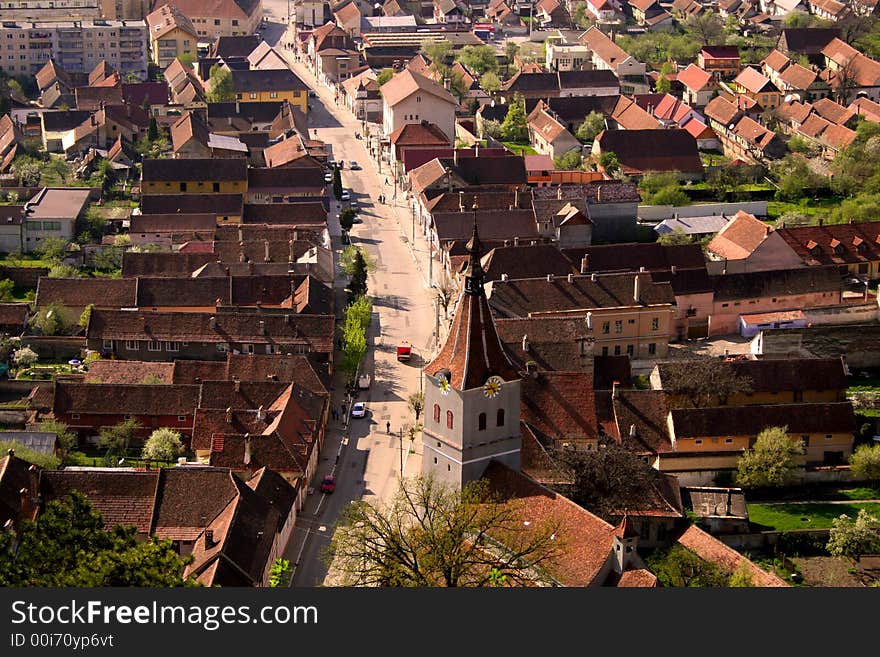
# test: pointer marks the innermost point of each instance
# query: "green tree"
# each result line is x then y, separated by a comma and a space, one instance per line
865, 462
609, 162
163, 445
153, 129
569, 162
358, 284
725, 180
707, 28
47, 461
581, 17
511, 50
490, 82
440, 54
361, 311
63, 270
593, 124
416, 403
346, 219
384, 76
67, 439
337, 183
514, 127
24, 357
58, 168
490, 128
354, 346
27, 171
279, 573
85, 316
117, 439
457, 86
7, 286
741, 577
50, 320
794, 177
663, 86
851, 538
478, 59
348, 260
679, 567
68, 547
220, 82
432, 534
772, 461
675, 238
187, 59
669, 195
52, 249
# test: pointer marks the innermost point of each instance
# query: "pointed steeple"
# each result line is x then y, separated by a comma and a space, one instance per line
473, 281
472, 351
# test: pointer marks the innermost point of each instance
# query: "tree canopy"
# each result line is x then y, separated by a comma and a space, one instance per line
434, 535
593, 124
515, 127
220, 82
772, 461
478, 59
68, 546
852, 537
163, 445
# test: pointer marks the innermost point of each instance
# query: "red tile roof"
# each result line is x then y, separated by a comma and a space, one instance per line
740, 237
694, 78
711, 549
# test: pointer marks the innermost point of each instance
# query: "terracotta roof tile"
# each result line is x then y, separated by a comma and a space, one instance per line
128, 372
740, 237
711, 549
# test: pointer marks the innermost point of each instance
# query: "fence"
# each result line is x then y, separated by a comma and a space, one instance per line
661, 212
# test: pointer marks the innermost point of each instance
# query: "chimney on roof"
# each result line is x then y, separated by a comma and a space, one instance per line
290, 257
240, 234
516, 198
460, 201
504, 278
262, 327
525, 343
261, 413
549, 278
585, 263
593, 277
589, 321
266, 250
570, 277
247, 449
477, 149
516, 241
633, 432
598, 193
614, 385
209, 539
236, 385
229, 415
767, 228
637, 297
672, 269
213, 322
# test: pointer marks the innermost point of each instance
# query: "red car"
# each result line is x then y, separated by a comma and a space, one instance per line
328, 485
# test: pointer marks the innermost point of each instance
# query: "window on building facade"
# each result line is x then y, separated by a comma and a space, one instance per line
652, 348
629, 350
481, 422
437, 413
172, 346
154, 345
449, 420
618, 326
132, 345
499, 419
606, 327
655, 323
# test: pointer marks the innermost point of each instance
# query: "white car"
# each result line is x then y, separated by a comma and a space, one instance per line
359, 409
364, 381
345, 195
328, 177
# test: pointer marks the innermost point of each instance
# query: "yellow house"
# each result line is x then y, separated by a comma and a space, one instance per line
194, 176
625, 314
270, 85
772, 381
758, 87
824, 429
171, 35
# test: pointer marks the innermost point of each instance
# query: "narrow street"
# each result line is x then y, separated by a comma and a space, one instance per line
365, 458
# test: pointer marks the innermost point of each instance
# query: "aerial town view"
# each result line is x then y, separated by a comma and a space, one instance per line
440, 293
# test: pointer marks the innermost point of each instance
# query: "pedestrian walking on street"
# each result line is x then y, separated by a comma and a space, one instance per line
388, 427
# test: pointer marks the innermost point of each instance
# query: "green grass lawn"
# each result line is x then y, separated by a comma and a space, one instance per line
519, 148
785, 517
813, 208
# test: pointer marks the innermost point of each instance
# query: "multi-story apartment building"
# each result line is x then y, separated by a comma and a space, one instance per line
61, 10
74, 45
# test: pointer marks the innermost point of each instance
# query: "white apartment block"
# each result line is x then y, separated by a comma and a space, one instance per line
75, 45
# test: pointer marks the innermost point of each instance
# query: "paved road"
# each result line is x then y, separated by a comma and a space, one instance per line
364, 457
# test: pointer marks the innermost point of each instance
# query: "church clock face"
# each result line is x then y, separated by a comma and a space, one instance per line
492, 386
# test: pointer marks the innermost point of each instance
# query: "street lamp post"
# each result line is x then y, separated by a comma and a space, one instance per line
401, 452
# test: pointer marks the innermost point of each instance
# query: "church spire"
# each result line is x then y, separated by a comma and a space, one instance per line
473, 283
